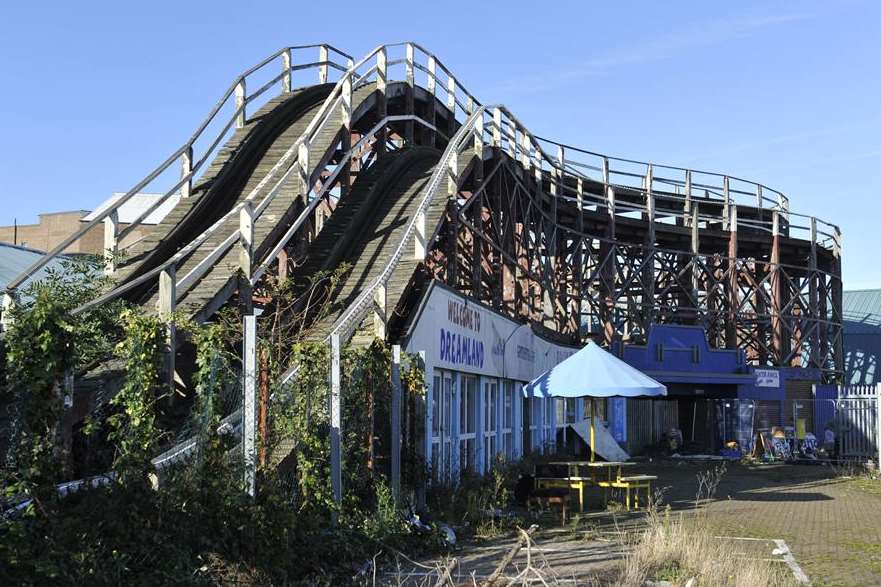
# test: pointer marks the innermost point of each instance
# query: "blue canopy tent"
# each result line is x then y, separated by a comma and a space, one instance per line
592, 372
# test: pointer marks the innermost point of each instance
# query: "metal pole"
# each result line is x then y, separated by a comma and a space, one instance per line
396, 421
336, 455
593, 454
249, 429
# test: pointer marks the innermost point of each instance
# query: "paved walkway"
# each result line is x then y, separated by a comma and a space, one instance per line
831, 525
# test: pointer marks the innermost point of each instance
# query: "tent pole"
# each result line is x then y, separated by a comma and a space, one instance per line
592, 433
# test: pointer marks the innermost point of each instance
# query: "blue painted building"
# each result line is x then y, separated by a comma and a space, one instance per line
704, 385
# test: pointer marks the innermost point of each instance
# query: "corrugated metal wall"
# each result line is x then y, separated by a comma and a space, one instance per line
647, 421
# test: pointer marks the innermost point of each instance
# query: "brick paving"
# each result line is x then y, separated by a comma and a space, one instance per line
832, 525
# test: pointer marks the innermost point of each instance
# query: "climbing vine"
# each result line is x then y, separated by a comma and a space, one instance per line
133, 426
45, 344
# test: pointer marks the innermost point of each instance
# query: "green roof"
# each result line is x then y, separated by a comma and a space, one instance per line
14, 259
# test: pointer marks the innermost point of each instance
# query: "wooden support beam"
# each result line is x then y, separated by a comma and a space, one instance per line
431, 110
733, 280
186, 171
451, 106
241, 115
382, 99
10, 300
346, 142
166, 306
286, 72
322, 69
410, 99
304, 171
813, 299
111, 242
246, 253
726, 194
777, 334
648, 302
380, 312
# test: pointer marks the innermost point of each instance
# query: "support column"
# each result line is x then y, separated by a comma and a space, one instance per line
776, 294
837, 299
166, 306
246, 255
648, 302
431, 88
111, 242
346, 142
241, 117
380, 314
695, 255
396, 422
814, 312
286, 71
733, 303
249, 405
336, 451
409, 99
186, 172
10, 300
381, 101
607, 273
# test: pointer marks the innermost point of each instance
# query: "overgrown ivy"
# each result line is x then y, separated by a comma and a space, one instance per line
133, 425
46, 343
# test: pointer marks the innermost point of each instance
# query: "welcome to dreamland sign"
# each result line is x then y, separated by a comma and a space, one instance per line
461, 335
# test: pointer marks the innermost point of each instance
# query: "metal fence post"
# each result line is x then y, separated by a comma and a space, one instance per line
396, 422
336, 456
249, 384
878, 426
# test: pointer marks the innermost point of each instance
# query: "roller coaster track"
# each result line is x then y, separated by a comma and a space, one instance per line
400, 171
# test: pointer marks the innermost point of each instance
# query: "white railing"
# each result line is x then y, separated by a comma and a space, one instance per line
204, 142
692, 187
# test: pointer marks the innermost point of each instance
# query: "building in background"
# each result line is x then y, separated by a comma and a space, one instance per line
54, 227
862, 336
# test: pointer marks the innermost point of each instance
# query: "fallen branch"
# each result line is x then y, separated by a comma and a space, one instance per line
496, 578
446, 576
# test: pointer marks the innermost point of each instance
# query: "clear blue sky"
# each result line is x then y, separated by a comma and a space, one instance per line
96, 94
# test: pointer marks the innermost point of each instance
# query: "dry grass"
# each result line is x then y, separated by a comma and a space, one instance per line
676, 548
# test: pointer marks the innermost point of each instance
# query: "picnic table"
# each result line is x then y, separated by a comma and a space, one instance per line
614, 477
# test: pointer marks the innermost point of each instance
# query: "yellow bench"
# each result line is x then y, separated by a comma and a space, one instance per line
569, 483
635, 483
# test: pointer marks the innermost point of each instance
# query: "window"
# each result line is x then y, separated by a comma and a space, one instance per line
441, 424
436, 425
508, 420
490, 415
536, 429
467, 422
548, 432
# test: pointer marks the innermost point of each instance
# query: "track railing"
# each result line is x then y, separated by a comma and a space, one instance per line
227, 114
417, 66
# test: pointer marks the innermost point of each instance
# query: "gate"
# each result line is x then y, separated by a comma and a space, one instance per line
856, 420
